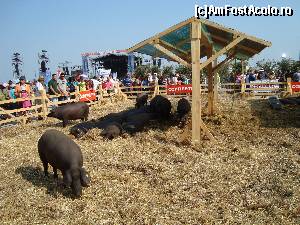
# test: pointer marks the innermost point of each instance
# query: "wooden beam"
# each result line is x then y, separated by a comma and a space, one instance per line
180, 43
210, 84
206, 131
235, 32
223, 63
183, 137
157, 36
171, 55
224, 40
216, 84
181, 53
196, 98
166, 44
222, 51
4, 111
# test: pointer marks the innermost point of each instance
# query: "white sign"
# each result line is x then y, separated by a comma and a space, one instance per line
104, 72
264, 85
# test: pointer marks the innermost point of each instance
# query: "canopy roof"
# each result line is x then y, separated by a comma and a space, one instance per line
177, 39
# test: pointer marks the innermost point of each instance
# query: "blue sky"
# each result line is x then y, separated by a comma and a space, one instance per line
67, 28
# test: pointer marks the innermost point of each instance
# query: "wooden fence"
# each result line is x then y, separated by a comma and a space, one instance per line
41, 105
259, 89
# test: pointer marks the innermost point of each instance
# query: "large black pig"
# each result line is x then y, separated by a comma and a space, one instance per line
73, 111
63, 153
161, 106
137, 122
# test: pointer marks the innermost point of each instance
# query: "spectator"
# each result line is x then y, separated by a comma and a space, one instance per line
261, 75
4, 92
40, 84
89, 84
150, 79
62, 87
71, 84
155, 79
252, 76
145, 82
161, 80
23, 90
12, 95
81, 84
296, 76
175, 79
127, 81
96, 83
53, 88
39, 88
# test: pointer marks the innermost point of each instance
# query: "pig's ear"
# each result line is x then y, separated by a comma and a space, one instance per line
85, 180
67, 178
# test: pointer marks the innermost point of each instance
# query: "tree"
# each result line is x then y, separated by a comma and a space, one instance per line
167, 71
184, 70
155, 69
267, 65
142, 70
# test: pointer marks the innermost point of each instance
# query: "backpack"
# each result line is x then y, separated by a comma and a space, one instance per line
72, 87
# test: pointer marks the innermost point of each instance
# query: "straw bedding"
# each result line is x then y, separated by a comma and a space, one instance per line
250, 176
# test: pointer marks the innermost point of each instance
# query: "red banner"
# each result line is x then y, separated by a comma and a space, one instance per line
295, 86
179, 89
86, 96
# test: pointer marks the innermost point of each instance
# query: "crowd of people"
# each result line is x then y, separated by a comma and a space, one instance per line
152, 79
58, 88
258, 75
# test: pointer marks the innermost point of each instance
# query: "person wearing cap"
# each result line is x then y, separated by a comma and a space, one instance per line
296, 76
62, 87
23, 90
3, 92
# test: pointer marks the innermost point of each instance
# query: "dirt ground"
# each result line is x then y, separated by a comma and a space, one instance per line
250, 176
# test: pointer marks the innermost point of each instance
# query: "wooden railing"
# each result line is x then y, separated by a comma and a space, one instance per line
40, 106
251, 89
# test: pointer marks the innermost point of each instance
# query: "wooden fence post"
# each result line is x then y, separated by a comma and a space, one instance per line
216, 87
100, 93
44, 106
156, 89
243, 86
77, 95
289, 86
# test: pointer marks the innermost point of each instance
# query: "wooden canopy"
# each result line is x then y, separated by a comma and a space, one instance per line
192, 39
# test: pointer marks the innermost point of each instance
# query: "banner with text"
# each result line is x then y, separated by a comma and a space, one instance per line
86, 96
295, 86
179, 89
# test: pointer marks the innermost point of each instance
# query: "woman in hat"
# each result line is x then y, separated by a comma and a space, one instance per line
23, 90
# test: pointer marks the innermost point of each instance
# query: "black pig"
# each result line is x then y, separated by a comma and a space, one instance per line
73, 111
63, 153
112, 131
141, 100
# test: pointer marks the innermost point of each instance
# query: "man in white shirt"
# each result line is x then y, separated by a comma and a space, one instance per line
40, 84
95, 83
62, 87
